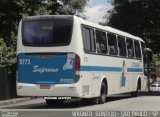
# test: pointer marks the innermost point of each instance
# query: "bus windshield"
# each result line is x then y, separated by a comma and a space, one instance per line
45, 32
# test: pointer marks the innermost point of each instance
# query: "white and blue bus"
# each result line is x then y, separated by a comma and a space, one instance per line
66, 56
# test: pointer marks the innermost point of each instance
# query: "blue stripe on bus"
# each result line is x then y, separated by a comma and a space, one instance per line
99, 68
134, 70
109, 69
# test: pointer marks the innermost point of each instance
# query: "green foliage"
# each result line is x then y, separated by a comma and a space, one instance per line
155, 58
138, 17
7, 55
33, 7
10, 15
3, 51
72, 7
66, 7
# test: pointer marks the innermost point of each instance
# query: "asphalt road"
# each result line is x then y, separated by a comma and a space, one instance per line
38, 107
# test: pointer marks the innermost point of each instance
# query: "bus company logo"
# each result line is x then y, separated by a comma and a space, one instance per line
70, 62
123, 75
41, 70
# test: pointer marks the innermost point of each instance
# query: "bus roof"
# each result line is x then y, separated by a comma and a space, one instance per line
109, 29
85, 22
48, 16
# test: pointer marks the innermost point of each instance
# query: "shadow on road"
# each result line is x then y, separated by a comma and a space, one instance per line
71, 104
146, 93
77, 103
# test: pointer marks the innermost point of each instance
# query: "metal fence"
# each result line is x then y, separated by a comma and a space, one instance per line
7, 85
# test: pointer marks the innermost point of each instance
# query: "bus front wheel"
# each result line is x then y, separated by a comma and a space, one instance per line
135, 93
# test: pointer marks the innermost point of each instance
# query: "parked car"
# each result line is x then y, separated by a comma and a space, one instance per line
155, 87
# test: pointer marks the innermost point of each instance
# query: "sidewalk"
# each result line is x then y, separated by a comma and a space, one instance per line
15, 100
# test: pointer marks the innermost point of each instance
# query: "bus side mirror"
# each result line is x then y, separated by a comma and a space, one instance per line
149, 53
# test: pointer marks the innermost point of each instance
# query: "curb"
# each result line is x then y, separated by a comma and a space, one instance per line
15, 100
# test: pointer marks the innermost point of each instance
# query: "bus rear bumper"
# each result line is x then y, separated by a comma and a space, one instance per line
70, 90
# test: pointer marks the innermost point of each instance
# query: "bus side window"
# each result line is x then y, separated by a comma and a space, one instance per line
121, 46
130, 49
88, 39
137, 49
112, 44
101, 42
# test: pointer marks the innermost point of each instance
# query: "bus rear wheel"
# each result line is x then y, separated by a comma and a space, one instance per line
103, 93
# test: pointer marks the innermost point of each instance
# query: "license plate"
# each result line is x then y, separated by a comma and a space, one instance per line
45, 86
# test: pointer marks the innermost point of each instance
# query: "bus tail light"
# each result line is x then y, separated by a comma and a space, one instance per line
78, 65
78, 62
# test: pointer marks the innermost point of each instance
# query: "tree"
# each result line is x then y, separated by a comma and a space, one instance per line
33, 7
9, 18
67, 7
7, 55
138, 17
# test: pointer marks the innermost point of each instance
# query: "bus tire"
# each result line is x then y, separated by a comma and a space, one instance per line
54, 102
103, 93
135, 93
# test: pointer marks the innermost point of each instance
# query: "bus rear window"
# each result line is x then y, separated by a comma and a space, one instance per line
45, 32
